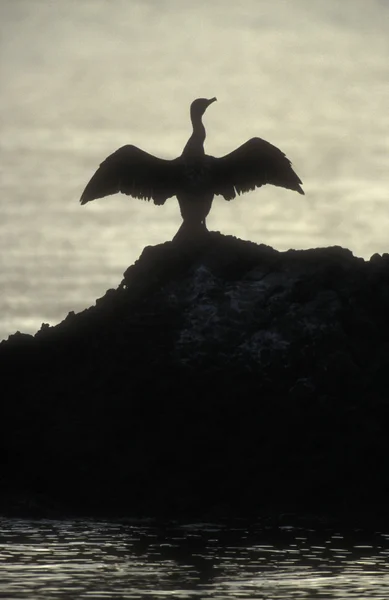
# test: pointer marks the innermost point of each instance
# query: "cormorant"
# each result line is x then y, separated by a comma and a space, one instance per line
194, 177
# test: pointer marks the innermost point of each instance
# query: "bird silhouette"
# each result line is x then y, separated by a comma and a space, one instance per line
194, 177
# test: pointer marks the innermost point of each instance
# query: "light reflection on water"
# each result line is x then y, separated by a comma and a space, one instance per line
89, 559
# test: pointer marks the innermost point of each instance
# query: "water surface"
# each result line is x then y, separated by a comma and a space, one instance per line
91, 559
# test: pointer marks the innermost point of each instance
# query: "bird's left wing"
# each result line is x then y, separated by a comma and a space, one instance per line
136, 173
252, 165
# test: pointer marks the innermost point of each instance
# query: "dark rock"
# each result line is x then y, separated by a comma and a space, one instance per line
219, 373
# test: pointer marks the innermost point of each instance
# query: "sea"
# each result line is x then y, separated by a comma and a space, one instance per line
144, 560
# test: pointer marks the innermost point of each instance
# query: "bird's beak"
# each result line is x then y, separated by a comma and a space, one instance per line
211, 100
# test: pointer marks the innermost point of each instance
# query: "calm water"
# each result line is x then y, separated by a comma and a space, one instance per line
80, 79
101, 560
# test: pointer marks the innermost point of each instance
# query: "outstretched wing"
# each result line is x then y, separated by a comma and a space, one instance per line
252, 165
135, 173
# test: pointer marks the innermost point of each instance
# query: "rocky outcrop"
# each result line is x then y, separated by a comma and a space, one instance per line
220, 376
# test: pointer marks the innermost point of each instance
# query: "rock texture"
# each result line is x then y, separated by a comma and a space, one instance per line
220, 377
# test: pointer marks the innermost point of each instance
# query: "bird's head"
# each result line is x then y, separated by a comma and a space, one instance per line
199, 106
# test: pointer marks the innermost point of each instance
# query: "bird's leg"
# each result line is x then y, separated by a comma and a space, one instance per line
190, 230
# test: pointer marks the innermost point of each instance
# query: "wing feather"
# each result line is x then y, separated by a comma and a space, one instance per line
136, 173
250, 166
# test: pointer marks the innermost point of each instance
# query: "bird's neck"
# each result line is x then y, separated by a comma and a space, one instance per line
195, 144
198, 128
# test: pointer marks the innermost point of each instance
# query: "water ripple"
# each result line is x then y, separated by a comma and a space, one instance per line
134, 560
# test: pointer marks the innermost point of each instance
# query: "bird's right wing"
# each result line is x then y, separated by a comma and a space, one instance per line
136, 173
252, 165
